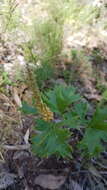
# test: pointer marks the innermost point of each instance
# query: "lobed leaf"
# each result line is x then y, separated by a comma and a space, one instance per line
52, 140
61, 98
27, 109
92, 141
99, 120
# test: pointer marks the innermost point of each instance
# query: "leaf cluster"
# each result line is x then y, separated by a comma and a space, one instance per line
51, 140
52, 137
96, 133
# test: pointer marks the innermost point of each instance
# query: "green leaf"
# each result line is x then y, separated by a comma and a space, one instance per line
76, 118
6, 79
43, 125
81, 109
70, 120
26, 109
104, 95
50, 99
99, 120
95, 133
60, 98
92, 141
51, 140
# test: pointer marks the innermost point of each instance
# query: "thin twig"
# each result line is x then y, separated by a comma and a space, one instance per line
17, 147
2, 157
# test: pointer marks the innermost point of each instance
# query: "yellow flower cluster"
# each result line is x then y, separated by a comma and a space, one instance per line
44, 111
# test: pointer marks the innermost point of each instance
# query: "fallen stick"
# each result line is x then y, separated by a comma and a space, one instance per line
16, 147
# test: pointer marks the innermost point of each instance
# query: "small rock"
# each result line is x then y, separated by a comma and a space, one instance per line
6, 180
49, 181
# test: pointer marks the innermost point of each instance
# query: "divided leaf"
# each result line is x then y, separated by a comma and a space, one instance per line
51, 140
99, 120
92, 141
27, 109
61, 98
95, 133
76, 117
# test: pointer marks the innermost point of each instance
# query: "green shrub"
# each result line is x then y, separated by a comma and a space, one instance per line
47, 35
52, 137
48, 41
95, 133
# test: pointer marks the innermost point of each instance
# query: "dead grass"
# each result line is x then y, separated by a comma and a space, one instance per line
9, 121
